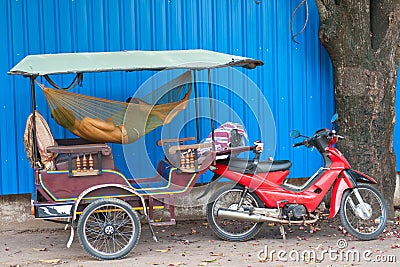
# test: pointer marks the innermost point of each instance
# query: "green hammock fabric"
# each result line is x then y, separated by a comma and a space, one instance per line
102, 120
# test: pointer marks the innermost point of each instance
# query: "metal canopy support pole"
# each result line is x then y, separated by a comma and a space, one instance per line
210, 95
35, 148
197, 107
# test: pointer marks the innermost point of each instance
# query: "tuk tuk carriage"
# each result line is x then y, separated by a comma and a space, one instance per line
76, 180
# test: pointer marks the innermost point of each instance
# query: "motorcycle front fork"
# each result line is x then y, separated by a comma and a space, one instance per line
362, 206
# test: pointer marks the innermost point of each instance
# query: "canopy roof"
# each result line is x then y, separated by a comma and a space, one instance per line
38, 65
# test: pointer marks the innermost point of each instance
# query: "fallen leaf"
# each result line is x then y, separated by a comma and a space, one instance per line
210, 260
40, 249
396, 246
217, 254
54, 261
175, 264
163, 250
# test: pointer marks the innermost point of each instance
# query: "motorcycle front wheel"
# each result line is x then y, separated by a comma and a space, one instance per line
230, 229
364, 221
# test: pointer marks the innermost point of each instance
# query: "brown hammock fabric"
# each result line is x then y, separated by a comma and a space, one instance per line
102, 120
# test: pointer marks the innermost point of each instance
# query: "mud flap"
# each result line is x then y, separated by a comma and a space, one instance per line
71, 236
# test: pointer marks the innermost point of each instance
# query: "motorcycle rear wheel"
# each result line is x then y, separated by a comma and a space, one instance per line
228, 229
364, 226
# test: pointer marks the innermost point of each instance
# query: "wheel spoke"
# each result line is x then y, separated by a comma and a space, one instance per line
121, 223
96, 218
120, 244
96, 239
93, 231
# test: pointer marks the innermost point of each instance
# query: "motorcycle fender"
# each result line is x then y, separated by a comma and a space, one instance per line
360, 177
341, 184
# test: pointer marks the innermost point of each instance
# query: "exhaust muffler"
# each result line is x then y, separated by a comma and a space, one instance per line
244, 216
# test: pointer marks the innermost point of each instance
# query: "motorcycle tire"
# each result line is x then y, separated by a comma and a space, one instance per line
363, 226
232, 230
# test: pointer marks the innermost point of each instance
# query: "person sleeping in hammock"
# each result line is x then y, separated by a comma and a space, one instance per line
98, 130
92, 129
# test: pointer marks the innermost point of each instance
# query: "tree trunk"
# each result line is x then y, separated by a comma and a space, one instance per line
362, 39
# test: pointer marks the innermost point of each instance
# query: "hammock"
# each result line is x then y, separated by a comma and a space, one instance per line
102, 120
44, 139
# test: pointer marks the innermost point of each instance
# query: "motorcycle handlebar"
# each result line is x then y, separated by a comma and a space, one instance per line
309, 141
299, 144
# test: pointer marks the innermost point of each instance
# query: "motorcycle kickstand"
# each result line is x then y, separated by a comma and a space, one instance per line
282, 230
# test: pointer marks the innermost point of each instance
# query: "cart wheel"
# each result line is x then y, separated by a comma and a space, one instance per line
108, 229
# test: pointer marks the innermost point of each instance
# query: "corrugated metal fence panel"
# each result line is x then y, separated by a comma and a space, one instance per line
296, 78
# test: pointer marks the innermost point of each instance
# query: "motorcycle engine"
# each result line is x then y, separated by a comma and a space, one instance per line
294, 211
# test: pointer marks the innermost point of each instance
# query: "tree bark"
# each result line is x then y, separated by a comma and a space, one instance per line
362, 38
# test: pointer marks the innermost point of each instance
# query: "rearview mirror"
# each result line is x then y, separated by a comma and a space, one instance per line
294, 134
334, 117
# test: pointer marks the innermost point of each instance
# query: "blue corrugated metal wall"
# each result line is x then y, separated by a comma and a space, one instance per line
296, 78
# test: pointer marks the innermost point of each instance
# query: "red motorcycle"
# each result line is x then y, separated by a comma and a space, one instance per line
263, 193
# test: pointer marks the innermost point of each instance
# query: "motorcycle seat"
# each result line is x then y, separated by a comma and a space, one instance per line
249, 167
